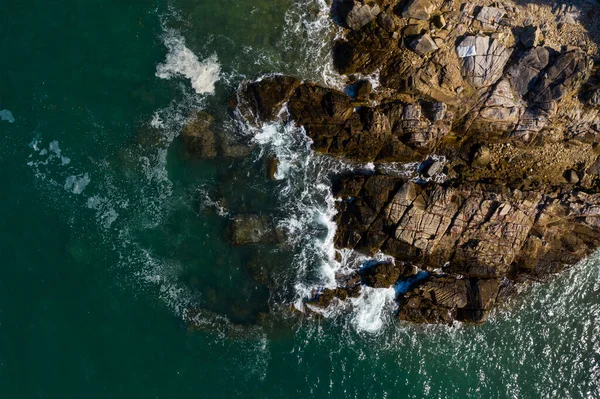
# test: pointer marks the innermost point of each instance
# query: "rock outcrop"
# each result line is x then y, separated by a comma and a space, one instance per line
510, 110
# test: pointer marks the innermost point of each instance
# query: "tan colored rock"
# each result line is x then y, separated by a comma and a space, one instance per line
419, 9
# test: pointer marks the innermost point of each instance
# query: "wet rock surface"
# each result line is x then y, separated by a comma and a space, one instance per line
500, 102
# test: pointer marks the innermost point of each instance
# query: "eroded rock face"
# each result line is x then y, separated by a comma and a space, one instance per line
262, 100
471, 232
513, 109
482, 60
385, 274
394, 131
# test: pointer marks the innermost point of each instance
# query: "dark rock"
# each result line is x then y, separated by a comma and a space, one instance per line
198, 136
524, 73
262, 100
414, 30
530, 36
476, 230
363, 51
386, 22
571, 176
435, 111
384, 274
594, 168
564, 75
438, 21
475, 87
354, 14
363, 89
235, 147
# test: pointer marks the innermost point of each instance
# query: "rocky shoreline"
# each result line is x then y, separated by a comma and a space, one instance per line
500, 101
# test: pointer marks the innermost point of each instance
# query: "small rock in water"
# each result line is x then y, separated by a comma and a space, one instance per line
272, 165
384, 274
6, 115
234, 147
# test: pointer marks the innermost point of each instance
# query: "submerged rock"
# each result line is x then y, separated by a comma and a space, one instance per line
254, 229
198, 136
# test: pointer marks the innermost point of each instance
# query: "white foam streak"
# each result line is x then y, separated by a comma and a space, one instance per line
181, 61
306, 196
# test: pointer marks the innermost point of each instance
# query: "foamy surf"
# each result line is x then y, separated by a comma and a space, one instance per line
181, 61
305, 194
372, 309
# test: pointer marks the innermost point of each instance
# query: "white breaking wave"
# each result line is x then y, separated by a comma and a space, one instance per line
181, 61
373, 308
310, 207
6, 115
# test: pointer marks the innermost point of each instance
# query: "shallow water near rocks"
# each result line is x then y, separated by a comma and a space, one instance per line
110, 234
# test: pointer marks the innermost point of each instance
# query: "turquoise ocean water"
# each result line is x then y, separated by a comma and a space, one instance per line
109, 232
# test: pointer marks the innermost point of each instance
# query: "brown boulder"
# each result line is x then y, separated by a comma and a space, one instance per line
262, 100
384, 274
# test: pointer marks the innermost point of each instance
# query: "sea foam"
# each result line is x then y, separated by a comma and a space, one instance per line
181, 61
6, 115
77, 183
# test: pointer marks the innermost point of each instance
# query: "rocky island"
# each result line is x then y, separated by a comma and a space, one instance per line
497, 101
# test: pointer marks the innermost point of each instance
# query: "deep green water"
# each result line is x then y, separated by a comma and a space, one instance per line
96, 278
